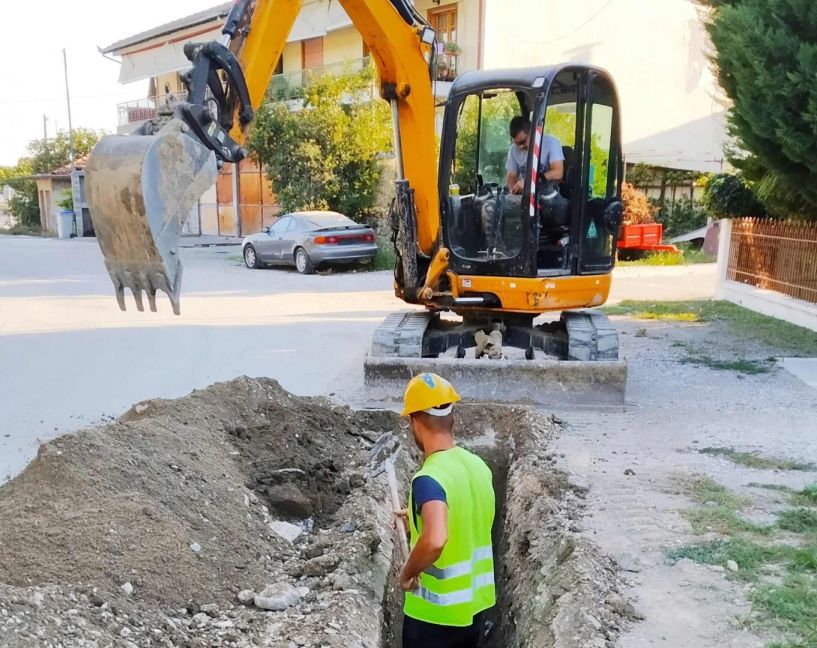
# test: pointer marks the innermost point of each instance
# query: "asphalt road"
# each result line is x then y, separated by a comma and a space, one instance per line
69, 357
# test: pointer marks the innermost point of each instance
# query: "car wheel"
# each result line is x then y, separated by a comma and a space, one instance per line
251, 257
303, 263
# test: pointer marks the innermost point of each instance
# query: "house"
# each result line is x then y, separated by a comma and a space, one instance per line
65, 183
657, 51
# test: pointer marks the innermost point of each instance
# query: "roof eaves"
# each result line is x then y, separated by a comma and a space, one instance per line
187, 22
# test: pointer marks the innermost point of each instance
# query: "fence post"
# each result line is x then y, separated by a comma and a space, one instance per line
724, 243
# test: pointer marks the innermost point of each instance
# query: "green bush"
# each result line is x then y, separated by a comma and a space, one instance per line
325, 156
685, 215
730, 196
765, 57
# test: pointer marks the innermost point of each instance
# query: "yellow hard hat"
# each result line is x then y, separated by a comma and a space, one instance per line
426, 392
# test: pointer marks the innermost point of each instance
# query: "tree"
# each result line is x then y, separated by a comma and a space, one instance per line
766, 54
44, 156
326, 155
730, 196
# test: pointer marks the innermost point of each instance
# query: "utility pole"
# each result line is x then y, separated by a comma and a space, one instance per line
45, 131
68, 101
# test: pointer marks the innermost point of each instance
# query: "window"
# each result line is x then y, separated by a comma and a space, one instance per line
484, 223
600, 133
443, 20
281, 226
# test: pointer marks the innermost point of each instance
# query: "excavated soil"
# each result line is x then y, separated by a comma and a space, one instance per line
147, 531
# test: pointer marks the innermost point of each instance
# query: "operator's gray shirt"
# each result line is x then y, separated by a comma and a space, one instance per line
518, 159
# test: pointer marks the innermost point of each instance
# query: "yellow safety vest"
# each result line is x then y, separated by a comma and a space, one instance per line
461, 583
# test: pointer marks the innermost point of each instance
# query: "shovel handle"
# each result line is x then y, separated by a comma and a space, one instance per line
395, 501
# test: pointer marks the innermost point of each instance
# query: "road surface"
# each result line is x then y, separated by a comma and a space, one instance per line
69, 357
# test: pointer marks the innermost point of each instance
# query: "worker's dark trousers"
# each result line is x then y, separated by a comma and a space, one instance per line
419, 634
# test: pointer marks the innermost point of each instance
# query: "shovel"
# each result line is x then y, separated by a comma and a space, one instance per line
381, 460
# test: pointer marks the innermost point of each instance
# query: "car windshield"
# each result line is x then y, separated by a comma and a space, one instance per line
328, 220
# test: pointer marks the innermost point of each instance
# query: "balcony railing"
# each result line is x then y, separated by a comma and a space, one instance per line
290, 85
134, 112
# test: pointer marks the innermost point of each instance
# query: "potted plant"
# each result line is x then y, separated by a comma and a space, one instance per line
452, 49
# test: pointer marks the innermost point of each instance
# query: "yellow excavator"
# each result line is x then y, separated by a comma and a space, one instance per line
479, 262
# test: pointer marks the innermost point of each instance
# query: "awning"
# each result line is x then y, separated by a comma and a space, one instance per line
159, 60
317, 19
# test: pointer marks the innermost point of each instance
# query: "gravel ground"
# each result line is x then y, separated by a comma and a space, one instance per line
673, 410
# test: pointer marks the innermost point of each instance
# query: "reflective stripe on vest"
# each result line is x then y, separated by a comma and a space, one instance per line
458, 596
460, 584
461, 568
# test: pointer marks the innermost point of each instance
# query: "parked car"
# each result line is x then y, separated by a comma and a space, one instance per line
309, 240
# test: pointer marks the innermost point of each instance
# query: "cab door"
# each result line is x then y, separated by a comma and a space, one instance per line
602, 171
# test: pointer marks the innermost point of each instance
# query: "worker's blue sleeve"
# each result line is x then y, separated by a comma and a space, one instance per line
425, 489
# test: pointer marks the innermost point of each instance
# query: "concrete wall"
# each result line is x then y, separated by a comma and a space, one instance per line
656, 51
292, 57
342, 45
767, 302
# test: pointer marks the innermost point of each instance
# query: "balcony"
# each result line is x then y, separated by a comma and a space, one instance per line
290, 85
135, 112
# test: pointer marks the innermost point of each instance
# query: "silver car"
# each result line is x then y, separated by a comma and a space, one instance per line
309, 240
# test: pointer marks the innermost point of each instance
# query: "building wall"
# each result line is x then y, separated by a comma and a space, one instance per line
342, 45
50, 192
468, 28
172, 79
292, 57
656, 51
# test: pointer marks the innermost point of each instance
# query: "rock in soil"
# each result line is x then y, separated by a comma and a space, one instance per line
278, 596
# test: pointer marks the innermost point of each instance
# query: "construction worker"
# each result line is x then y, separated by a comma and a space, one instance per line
448, 578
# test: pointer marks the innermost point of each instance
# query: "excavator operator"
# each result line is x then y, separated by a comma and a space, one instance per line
552, 158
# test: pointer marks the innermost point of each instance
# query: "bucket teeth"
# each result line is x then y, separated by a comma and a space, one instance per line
140, 190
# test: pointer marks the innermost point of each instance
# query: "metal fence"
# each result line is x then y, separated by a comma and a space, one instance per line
134, 112
775, 255
290, 84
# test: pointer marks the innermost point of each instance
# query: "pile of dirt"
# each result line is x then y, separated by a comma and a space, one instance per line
241, 515
131, 528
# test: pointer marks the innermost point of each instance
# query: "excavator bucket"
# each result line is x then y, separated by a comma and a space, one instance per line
140, 189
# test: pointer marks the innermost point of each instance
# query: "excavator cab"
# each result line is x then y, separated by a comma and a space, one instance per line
552, 228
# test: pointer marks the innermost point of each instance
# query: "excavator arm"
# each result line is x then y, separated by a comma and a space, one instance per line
142, 187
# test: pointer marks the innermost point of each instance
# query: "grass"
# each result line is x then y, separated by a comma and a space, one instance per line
791, 607
754, 460
721, 519
25, 230
783, 576
705, 490
772, 487
385, 258
690, 256
806, 497
799, 520
752, 557
741, 365
789, 338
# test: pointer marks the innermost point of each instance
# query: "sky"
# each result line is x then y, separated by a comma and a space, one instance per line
34, 35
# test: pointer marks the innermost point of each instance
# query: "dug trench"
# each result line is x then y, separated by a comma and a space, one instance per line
242, 515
